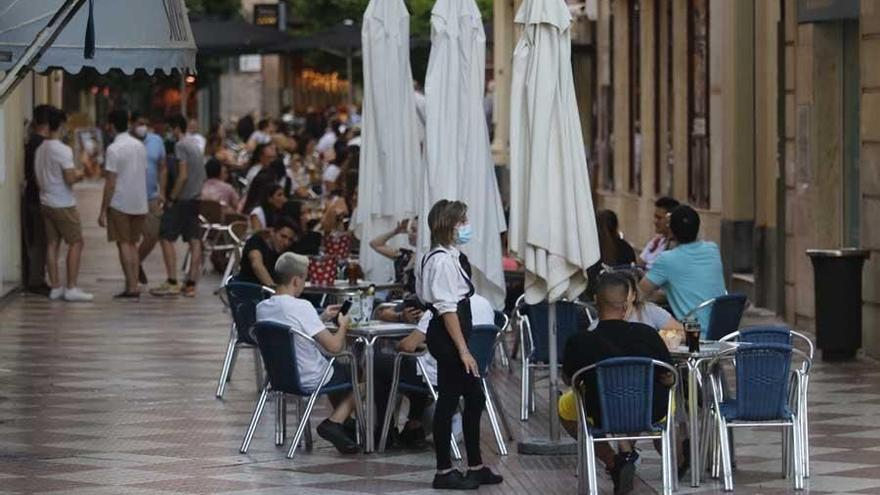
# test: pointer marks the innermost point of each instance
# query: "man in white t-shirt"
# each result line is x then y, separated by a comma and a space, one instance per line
286, 308
413, 433
56, 174
661, 241
192, 132
124, 207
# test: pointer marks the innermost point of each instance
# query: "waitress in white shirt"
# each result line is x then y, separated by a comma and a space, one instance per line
444, 286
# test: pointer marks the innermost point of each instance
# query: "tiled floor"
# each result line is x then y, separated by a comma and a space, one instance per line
118, 398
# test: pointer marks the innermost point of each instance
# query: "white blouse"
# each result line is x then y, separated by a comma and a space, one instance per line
442, 282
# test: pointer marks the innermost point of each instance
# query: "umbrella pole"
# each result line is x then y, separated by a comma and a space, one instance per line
552, 445
554, 373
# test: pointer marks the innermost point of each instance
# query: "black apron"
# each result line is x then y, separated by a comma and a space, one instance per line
439, 342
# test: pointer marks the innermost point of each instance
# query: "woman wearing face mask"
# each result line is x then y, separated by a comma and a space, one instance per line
443, 284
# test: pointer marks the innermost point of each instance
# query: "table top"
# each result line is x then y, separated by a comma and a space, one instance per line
707, 349
382, 329
343, 287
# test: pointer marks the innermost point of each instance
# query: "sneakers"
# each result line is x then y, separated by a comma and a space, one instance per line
335, 433
77, 295
56, 293
624, 471
125, 295
189, 289
454, 480
166, 289
484, 476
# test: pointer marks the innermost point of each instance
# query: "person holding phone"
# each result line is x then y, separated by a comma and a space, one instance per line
444, 286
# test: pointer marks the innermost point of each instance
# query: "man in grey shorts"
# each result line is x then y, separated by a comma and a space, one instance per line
180, 218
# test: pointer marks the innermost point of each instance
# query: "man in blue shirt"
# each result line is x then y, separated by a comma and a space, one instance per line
155, 175
691, 272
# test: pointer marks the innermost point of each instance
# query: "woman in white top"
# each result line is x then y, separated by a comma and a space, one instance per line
262, 216
641, 311
444, 286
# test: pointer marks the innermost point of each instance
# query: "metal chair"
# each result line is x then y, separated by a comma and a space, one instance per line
725, 314
277, 346
535, 345
782, 334
396, 385
502, 321
482, 343
761, 400
625, 387
242, 298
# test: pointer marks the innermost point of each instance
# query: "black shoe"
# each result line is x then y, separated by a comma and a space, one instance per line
454, 480
350, 426
413, 438
624, 472
142, 275
686, 458
485, 476
335, 434
127, 295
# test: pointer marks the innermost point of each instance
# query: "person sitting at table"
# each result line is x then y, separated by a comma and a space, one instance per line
690, 273
614, 250
646, 312
286, 308
263, 215
612, 337
413, 433
403, 257
663, 238
261, 251
307, 241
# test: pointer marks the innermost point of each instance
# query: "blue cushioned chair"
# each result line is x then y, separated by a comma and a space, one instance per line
782, 334
725, 315
762, 399
425, 386
482, 343
625, 388
277, 347
532, 320
242, 298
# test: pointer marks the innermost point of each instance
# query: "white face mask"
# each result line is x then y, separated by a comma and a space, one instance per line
141, 131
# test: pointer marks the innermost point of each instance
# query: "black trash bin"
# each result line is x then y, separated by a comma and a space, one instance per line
838, 290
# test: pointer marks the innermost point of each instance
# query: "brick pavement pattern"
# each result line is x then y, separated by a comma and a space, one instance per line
118, 398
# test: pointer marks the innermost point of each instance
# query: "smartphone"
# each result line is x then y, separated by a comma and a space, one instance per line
346, 305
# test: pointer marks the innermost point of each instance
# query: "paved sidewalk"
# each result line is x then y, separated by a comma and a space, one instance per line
118, 398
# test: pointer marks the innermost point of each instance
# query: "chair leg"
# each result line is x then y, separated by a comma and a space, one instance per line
524, 391
227, 364
581, 472
797, 452
673, 452
666, 461
786, 453
389, 413
725, 454
279, 419
533, 403
258, 367
493, 419
303, 423
805, 425
592, 478
255, 419
232, 364
500, 409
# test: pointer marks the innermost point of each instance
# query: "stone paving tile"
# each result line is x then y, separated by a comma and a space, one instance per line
106, 398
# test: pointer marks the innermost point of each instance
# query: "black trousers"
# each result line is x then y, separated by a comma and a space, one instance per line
34, 243
453, 384
384, 374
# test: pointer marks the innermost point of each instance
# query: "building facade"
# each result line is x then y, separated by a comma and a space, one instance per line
763, 114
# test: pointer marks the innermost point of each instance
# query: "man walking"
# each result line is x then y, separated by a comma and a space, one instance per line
124, 206
156, 177
181, 217
34, 231
56, 174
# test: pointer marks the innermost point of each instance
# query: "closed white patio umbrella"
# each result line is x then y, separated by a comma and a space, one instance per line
552, 221
459, 160
390, 170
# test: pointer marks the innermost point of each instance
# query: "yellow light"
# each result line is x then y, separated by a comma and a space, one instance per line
190, 79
